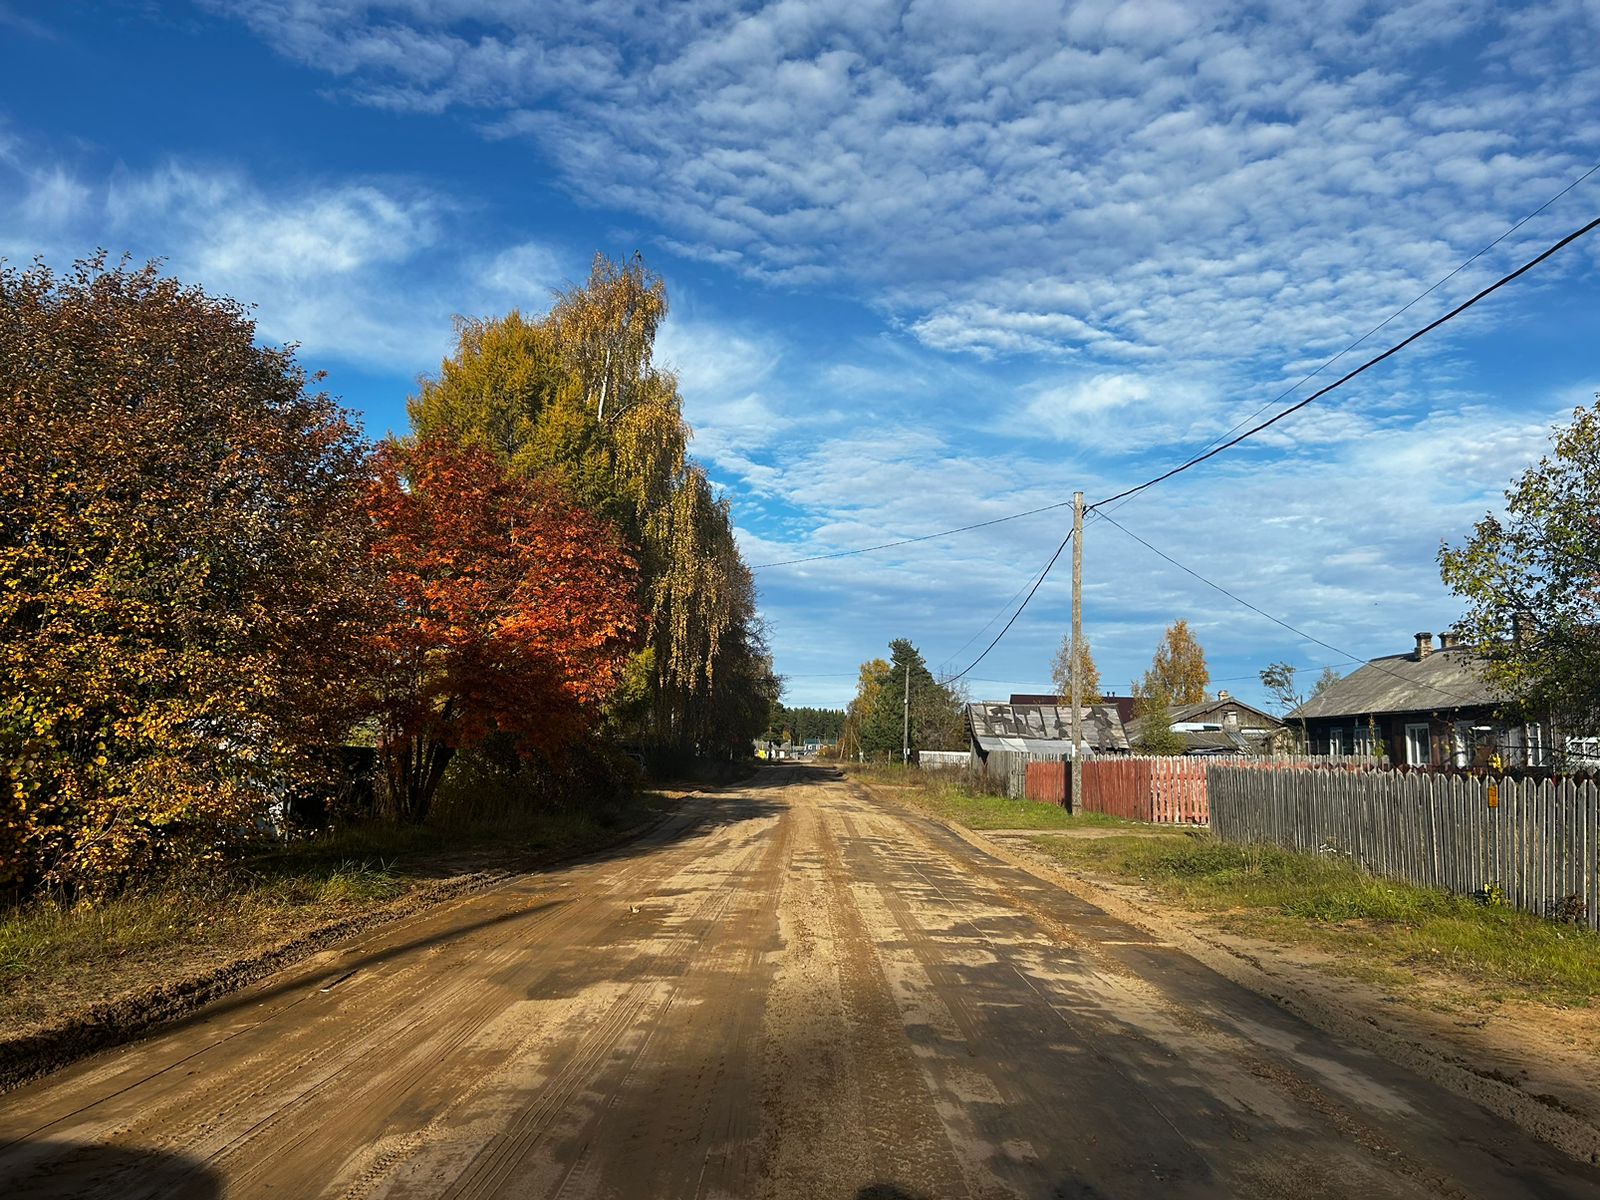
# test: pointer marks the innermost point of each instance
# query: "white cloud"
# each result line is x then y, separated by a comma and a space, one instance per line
1117, 180
366, 272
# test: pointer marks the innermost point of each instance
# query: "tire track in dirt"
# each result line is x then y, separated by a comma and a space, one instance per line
791, 993
185, 1100
1345, 1125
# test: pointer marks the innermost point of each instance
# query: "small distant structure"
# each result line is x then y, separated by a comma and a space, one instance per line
1043, 729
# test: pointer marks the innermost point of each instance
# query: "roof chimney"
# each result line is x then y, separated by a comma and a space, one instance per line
1424, 645
1450, 640
1519, 629
1223, 695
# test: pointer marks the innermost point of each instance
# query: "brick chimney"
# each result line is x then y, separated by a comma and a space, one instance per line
1424, 645
1450, 640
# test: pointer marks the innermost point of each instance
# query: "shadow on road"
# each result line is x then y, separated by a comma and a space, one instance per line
698, 815
48, 1170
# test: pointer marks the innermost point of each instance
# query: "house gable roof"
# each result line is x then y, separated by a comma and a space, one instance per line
1399, 683
1044, 728
1198, 712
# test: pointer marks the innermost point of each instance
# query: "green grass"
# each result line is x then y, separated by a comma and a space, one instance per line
1380, 927
53, 955
938, 793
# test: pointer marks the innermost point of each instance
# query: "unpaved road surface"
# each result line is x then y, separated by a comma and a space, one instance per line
786, 990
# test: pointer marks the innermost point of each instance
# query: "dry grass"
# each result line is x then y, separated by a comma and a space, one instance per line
944, 794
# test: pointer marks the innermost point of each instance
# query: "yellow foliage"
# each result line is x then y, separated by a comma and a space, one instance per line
576, 400
175, 546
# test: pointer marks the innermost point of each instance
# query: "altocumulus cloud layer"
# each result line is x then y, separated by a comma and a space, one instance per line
934, 262
1118, 180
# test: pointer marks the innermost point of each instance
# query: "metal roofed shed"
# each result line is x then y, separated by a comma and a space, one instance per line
1044, 729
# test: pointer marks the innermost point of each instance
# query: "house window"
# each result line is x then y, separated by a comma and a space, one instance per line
1419, 753
1461, 744
1335, 741
1538, 754
1363, 741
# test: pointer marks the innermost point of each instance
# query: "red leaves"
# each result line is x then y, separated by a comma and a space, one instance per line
507, 610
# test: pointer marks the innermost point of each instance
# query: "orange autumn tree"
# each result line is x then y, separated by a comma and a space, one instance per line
508, 611
178, 614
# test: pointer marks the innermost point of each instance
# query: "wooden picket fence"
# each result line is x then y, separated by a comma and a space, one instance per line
1047, 781
1167, 791
1164, 790
1008, 772
1539, 846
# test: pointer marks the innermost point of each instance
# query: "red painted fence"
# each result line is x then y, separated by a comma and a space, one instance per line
1167, 791
1047, 782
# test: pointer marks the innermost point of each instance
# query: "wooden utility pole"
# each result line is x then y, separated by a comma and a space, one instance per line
905, 721
1077, 643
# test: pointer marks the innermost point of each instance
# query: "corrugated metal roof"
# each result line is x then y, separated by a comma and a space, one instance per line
1403, 683
1047, 725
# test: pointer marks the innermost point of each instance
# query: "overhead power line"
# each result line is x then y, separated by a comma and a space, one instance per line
927, 537
1207, 449
1348, 376
1240, 600
1417, 299
1042, 576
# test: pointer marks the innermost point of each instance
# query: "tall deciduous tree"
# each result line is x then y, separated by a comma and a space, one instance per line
180, 586
574, 398
1178, 671
1061, 672
870, 681
1531, 583
508, 611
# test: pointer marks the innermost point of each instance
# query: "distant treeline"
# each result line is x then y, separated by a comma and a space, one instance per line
800, 725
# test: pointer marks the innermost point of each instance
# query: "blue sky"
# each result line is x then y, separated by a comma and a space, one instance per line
929, 263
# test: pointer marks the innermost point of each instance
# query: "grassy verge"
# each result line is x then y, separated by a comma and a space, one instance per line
1375, 928
56, 958
942, 794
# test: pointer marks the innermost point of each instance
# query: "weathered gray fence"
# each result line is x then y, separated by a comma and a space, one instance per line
1540, 844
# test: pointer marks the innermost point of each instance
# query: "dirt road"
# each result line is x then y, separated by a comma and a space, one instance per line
787, 991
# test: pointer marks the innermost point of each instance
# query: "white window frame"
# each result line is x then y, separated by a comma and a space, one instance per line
1412, 728
1537, 753
1363, 741
1335, 741
1586, 750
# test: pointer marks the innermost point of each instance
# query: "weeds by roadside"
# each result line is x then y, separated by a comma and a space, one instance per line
1380, 928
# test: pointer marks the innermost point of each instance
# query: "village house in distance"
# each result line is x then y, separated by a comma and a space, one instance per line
1428, 708
1223, 724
